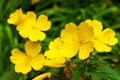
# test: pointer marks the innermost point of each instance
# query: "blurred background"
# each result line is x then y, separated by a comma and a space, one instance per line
59, 12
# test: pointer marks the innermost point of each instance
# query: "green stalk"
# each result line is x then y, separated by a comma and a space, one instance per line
84, 68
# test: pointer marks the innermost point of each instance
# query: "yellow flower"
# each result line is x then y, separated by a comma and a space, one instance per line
102, 39
33, 28
77, 38
34, 1
24, 62
54, 58
16, 17
42, 76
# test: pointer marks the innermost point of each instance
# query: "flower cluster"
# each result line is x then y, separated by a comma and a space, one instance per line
74, 39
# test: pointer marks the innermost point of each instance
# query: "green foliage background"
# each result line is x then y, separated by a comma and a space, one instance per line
101, 66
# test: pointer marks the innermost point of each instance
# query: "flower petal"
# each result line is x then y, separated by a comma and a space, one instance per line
69, 34
53, 53
55, 63
42, 23
26, 27
101, 47
96, 25
85, 32
85, 50
23, 30
28, 23
68, 50
38, 61
43, 76
23, 68
108, 37
35, 35
56, 44
32, 48
31, 18
17, 56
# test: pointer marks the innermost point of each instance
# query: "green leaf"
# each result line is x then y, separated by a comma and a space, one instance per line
9, 34
10, 75
76, 75
105, 72
76, 72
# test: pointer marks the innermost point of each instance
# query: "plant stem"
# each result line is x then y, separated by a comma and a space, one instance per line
84, 68
25, 76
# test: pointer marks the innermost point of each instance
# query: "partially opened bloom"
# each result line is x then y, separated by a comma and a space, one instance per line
103, 40
34, 1
43, 76
54, 58
33, 28
24, 62
77, 38
16, 17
